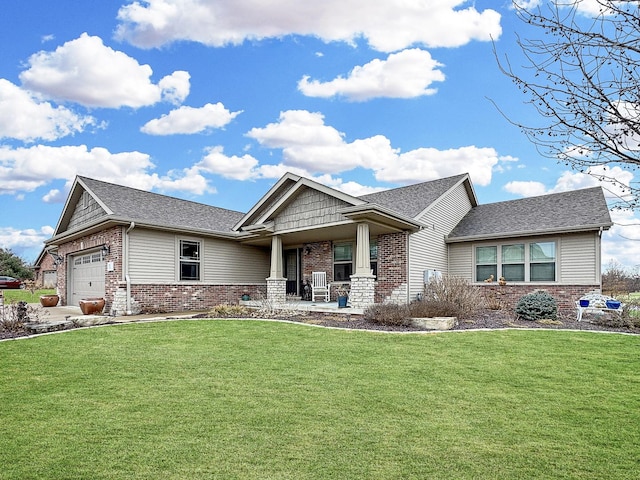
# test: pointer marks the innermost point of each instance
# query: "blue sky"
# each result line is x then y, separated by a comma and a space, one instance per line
212, 101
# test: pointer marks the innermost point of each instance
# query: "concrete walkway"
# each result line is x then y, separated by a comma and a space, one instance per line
61, 317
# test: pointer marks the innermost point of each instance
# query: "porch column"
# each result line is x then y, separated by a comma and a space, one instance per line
276, 283
362, 281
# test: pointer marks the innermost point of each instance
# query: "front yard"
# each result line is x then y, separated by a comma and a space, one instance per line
243, 400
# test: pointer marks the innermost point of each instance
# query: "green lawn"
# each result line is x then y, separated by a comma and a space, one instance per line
19, 295
264, 400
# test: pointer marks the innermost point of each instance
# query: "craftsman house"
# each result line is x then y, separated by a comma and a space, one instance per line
145, 251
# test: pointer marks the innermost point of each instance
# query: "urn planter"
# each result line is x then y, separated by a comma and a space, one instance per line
91, 306
49, 300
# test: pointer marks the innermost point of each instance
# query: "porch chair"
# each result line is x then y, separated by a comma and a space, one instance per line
319, 286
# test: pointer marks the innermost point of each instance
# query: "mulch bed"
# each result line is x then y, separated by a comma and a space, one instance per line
486, 319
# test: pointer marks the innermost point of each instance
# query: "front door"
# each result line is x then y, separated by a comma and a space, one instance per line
291, 271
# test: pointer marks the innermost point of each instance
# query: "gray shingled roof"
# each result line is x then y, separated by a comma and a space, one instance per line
567, 211
412, 200
154, 209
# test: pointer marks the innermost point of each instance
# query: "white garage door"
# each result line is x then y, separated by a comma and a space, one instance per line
87, 277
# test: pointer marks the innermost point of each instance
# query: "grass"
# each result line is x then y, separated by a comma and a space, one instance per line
19, 295
236, 399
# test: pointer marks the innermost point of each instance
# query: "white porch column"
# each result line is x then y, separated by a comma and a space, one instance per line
276, 283
363, 256
362, 281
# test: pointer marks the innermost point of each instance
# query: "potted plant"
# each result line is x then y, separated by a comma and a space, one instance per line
343, 295
91, 306
50, 300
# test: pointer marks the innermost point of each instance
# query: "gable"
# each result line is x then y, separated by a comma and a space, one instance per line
309, 208
85, 211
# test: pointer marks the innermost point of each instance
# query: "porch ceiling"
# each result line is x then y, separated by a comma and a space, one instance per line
343, 231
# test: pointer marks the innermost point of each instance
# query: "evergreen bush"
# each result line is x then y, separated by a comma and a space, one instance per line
537, 306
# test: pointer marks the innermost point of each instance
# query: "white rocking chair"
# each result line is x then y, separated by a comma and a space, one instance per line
319, 286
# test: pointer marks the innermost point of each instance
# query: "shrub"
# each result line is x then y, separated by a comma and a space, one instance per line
229, 311
434, 308
455, 296
537, 306
16, 314
390, 314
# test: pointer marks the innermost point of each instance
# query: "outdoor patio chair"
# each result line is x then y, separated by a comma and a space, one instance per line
319, 286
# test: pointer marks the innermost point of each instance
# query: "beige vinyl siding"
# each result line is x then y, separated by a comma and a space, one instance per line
461, 261
427, 249
579, 259
153, 259
152, 256
227, 262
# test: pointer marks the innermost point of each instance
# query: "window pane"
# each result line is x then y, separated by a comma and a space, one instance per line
486, 255
513, 272
342, 252
189, 271
543, 272
542, 252
189, 249
513, 253
485, 271
374, 267
342, 272
373, 250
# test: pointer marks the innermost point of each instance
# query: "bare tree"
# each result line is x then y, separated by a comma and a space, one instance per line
583, 77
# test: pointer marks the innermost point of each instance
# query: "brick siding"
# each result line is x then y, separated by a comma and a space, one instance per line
392, 265
177, 297
565, 295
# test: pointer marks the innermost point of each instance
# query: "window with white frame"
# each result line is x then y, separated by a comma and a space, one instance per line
517, 262
189, 260
343, 260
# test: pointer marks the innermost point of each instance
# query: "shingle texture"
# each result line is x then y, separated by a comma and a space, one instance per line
412, 200
548, 213
155, 209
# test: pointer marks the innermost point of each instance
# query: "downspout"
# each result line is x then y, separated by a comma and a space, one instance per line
127, 278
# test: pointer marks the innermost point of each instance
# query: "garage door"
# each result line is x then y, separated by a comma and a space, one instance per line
87, 277
49, 278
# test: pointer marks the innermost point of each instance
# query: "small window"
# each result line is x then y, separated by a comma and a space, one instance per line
342, 262
189, 260
373, 256
486, 263
542, 261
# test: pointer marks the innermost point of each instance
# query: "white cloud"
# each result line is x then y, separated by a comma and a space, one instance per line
25, 118
26, 169
407, 74
20, 241
233, 167
387, 26
87, 72
188, 120
526, 189
621, 243
308, 144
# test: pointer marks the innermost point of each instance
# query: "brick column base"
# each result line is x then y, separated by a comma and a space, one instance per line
276, 290
362, 291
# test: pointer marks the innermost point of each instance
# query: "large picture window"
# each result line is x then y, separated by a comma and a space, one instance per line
517, 262
189, 260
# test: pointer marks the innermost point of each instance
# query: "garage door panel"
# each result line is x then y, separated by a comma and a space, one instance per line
87, 277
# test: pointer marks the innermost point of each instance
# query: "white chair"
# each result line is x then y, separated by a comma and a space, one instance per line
319, 286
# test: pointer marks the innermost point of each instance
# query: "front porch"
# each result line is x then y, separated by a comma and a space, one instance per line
297, 305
